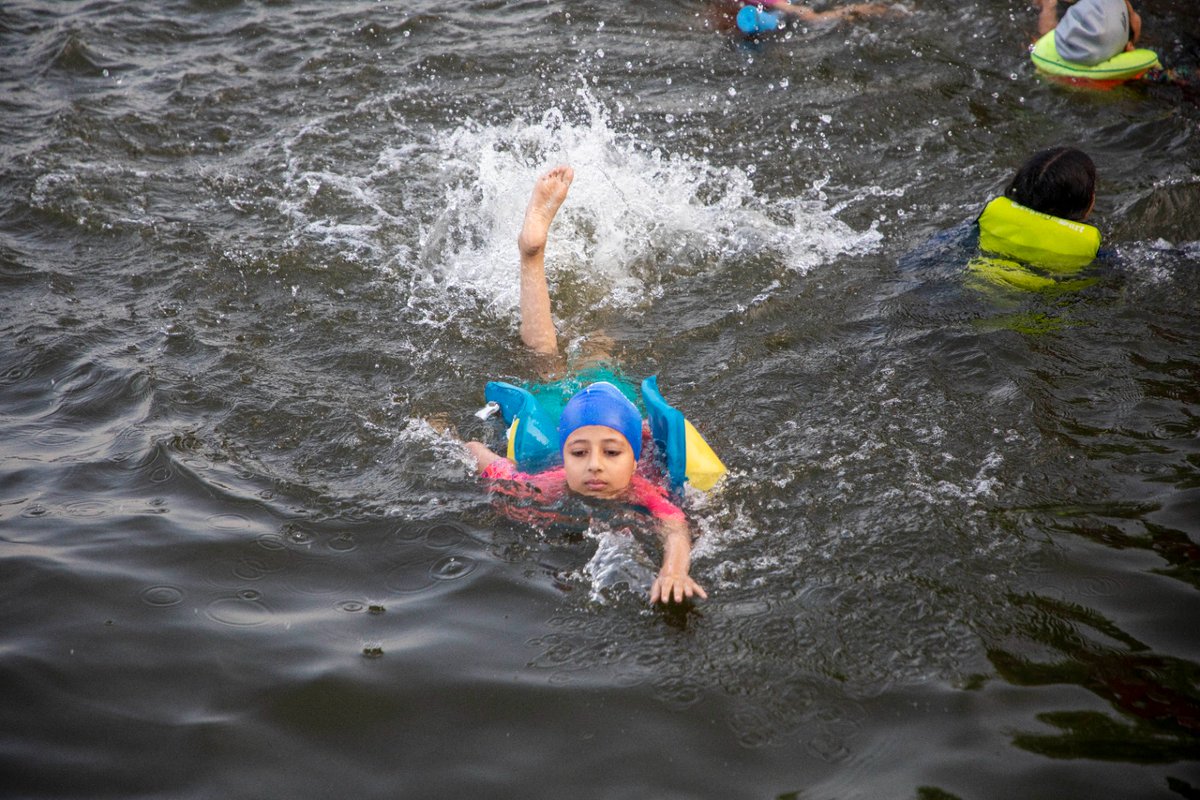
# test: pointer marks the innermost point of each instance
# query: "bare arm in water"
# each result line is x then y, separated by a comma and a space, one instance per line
674, 583
806, 14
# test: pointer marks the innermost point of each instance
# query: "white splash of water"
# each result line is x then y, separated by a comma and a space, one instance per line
619, 561
439, 211
630, 203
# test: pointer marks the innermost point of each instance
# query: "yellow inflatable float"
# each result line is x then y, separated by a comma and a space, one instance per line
1122, 67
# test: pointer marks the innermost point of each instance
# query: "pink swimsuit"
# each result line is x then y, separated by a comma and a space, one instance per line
532, 498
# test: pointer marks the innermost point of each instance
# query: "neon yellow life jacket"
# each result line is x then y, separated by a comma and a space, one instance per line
1044, 243
1121, 67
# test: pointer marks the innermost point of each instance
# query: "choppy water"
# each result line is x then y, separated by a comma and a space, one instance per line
248, 248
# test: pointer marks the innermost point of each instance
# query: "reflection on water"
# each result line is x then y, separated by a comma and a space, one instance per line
1156, 696
247, 252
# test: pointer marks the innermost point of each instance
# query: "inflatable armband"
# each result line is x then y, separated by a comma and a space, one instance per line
532, 435
688, 456
1105, 75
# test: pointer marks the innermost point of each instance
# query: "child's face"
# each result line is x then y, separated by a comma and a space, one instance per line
598, 461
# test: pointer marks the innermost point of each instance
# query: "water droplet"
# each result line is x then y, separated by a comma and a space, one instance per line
452, 567
300, 537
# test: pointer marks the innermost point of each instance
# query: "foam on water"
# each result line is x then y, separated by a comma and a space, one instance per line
620, 562
319, 201
632, 209
1154, 264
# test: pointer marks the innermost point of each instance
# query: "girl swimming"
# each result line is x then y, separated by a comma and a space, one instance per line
600, 430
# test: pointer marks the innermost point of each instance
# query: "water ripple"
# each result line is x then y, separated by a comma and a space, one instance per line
242, 610
410, 577
452, 567
88, 508
162, 596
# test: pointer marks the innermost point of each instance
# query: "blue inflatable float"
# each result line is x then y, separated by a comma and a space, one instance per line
533, 435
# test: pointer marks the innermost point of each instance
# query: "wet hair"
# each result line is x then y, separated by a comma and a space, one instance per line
1060, 181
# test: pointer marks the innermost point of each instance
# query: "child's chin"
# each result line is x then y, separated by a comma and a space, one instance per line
601, 492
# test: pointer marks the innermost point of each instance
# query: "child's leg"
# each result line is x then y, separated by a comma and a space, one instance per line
855, 10
537, 326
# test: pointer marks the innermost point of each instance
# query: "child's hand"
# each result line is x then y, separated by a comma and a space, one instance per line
672, 587
673, 582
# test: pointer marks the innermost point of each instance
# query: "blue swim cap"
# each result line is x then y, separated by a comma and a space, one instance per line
601, 403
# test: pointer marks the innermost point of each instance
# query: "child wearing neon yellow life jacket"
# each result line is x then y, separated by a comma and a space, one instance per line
1095, 45
600, 431
1039, 221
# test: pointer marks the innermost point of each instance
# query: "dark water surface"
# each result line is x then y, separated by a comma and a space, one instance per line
247, 249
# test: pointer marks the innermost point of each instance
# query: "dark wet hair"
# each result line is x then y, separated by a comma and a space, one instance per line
1060, 181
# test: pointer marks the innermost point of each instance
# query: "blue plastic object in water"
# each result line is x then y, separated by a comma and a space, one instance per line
666, 426
532, 434
688, 457
752, 21
533, 442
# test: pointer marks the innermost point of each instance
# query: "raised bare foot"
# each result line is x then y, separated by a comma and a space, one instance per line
548, 194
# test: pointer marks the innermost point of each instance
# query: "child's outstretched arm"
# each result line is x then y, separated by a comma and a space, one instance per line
483, 456
806, 14
537, 325
673, 582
